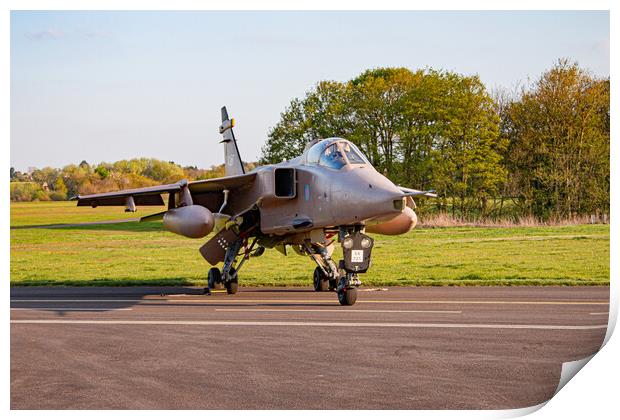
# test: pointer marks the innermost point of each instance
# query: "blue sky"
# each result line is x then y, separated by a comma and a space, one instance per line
104, 86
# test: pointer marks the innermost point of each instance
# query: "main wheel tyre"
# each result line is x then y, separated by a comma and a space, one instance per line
321, 283
215, 278
347, 296
232, 286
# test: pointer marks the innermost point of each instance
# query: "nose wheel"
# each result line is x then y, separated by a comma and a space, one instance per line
347, 289
348, 296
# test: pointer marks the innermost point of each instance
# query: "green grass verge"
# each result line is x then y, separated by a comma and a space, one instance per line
132, 254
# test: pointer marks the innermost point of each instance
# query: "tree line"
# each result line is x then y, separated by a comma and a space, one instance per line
542, 151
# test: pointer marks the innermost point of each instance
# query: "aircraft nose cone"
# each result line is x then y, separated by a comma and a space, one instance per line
386, 200
385, 196
365, 195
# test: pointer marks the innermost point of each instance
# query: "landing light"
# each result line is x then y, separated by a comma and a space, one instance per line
347, 243
366, 243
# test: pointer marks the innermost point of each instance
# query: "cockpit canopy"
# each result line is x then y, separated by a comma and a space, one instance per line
335, 153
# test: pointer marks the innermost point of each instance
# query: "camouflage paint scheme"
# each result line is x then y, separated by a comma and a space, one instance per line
331, 193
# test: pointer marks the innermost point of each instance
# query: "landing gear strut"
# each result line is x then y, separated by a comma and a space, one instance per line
228, 278
326, 273
229, 274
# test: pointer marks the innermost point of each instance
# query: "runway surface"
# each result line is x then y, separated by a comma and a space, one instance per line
402, 348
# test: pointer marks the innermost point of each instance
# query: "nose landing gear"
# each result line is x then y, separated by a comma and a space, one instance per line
356, 247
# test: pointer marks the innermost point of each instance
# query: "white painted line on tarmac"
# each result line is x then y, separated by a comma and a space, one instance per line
178, 295
51, 308
490, 302
599, 313
77, 300
306, 324
233, 301
340, 311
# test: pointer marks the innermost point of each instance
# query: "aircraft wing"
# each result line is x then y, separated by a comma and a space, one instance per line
147, 196
410, 192
151, 196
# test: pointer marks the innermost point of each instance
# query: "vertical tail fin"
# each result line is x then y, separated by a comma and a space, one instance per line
232, 160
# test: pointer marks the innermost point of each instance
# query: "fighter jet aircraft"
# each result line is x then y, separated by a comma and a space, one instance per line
331, 193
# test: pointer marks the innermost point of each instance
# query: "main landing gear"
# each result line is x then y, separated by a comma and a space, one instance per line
326, 274
356, 247
228, 278
215, 281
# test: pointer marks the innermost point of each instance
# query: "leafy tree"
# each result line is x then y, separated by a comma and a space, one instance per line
102, 171
59, 190
163, 171
466, 157
46, 175
558, 153
379, 103
27, 191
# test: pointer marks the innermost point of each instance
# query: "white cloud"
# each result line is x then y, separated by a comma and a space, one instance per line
50, 33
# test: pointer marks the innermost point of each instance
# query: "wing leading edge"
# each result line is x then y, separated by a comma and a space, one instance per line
147, 196
151, 196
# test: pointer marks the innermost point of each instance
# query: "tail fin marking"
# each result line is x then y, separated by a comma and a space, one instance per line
232, 159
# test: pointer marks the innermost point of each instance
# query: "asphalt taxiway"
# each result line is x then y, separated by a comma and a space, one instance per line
400, 348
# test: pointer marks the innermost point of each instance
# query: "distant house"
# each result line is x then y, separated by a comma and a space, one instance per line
45, 186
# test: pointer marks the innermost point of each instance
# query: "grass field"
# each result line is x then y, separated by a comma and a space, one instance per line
143, 254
